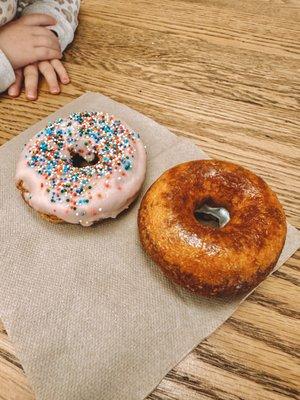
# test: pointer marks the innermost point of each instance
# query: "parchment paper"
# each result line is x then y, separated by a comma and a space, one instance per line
91, 316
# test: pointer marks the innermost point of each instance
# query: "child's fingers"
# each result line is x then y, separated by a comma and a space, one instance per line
61, 71
31, 79
44, 53
49, 73
50, 42
38, 20
42, 31
15, 88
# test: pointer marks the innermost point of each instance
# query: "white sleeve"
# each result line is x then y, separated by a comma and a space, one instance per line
7, 75
65, 13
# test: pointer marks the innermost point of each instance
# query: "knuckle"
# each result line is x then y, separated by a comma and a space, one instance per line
45, 52
45, 41
39, 52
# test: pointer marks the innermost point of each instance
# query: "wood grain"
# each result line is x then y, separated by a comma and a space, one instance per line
226, 74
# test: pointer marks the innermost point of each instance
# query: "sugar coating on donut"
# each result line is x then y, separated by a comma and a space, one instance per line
112, 170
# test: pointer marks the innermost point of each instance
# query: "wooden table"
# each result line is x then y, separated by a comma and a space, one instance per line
224, 73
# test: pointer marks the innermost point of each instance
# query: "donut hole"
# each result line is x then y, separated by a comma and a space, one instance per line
79, 162
212, 215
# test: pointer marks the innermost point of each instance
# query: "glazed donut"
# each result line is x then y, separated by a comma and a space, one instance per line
82, 168
229, 258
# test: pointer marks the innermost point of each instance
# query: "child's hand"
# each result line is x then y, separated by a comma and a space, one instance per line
51, 70
27, 40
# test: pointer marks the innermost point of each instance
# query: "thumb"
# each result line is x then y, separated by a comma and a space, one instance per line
38, 20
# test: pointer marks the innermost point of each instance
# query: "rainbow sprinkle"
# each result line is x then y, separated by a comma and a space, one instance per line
101, 141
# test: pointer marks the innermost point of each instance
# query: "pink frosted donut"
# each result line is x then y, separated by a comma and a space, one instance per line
82, 168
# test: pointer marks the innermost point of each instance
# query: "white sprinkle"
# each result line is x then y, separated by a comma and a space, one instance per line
119, 178
77, 214
100, 209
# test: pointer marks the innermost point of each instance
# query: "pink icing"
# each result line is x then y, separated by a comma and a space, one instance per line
82, 195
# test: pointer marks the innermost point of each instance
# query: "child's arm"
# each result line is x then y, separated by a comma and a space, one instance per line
7, 74
65, 13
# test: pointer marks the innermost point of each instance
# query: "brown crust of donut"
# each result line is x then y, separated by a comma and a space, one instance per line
261, 237
50, 218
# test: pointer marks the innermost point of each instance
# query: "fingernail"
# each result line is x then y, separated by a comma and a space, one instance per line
65, 80
31, 96
55, 90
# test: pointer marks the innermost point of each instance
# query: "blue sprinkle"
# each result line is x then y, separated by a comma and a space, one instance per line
43, 146
127, 164
48, 131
